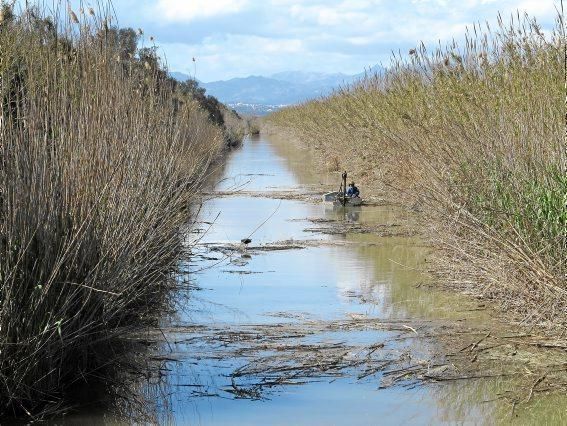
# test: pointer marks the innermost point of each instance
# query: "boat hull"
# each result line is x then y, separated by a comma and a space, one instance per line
337, 199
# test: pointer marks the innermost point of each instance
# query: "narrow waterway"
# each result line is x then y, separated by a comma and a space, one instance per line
248, 344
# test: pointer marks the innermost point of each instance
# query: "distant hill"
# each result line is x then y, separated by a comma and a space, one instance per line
282, 88
179, 76
312, 78
255, 89
259, 95
376, 69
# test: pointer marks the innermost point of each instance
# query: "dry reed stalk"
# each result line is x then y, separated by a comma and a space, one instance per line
99, 163
473, 133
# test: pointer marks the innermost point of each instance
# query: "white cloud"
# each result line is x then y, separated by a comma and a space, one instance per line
242, 37
538, 7
361, 41
211, 67
344, 14
188, 10
241, 54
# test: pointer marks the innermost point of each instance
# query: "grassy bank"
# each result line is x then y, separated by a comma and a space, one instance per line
100, 157
473, 134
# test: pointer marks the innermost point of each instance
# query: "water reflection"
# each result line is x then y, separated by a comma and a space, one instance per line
345, 275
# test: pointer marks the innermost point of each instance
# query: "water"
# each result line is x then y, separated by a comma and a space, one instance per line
335, 277
255, 307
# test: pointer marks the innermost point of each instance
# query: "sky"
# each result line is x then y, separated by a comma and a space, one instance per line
238, 38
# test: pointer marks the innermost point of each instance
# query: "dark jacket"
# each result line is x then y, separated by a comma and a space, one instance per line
353, 191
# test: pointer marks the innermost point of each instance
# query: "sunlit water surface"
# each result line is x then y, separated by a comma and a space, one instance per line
323, 282
378, 277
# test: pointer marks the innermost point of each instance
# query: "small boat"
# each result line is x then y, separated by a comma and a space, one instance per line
336, 198
330, 197
339, 198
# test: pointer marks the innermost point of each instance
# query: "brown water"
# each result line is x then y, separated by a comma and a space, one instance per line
335, 278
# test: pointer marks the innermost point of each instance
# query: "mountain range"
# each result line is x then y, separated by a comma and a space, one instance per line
259, 95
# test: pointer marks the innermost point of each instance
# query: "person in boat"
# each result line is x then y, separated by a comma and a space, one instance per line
352, 191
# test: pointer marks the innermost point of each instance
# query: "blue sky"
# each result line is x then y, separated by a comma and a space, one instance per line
237, 38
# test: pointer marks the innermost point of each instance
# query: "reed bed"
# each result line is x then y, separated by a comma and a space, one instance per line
99, 162
473, 135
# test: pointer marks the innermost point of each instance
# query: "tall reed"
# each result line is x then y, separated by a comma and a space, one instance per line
473, 133
99, 162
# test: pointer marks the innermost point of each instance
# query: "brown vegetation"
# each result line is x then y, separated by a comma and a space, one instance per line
100, 158
474, 136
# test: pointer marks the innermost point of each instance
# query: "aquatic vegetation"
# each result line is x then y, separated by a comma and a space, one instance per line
100, 158
473, 134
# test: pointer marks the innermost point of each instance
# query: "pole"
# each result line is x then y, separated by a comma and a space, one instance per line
564, 41
344, 187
